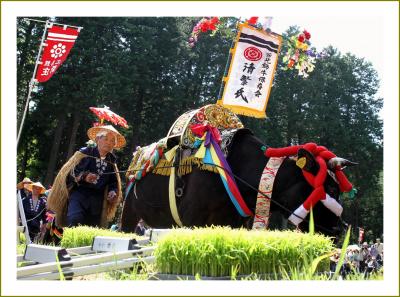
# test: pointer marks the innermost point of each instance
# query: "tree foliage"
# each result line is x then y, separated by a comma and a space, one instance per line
143, 69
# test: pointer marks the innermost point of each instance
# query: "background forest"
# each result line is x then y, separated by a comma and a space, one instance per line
144, 70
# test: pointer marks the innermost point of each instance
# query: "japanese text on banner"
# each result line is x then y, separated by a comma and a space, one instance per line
251, 72
59, 42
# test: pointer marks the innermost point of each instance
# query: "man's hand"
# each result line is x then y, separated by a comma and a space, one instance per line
112, 197
91, 178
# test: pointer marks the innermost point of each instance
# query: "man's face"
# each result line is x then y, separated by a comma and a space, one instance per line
106, 143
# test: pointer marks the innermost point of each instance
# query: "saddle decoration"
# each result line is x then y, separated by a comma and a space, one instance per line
210, 152
321, 154
151, 155
160, 160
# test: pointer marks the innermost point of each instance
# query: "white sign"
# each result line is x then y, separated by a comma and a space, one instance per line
251, 72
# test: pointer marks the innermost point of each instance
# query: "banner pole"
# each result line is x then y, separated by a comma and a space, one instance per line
228, 63
40, 21
32, 83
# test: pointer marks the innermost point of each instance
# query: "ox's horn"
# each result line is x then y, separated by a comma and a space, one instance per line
340, 162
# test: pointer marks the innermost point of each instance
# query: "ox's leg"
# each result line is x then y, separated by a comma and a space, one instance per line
129, 218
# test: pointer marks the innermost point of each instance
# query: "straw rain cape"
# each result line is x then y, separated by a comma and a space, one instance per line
59, 195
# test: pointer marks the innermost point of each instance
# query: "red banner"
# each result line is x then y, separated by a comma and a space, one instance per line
360, 235
59, 42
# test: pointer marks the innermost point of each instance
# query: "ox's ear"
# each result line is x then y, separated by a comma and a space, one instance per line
306, 161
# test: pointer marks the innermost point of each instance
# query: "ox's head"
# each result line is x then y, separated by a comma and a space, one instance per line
327, 212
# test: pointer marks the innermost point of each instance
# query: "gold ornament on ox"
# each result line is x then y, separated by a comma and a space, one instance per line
215, 115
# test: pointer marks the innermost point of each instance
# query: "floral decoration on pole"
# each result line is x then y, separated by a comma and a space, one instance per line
204, 25
299, 55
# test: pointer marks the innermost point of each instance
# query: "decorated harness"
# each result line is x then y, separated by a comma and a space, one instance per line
201, 138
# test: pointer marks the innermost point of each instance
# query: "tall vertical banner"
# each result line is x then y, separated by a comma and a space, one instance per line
251, 71
360, 235
59, 42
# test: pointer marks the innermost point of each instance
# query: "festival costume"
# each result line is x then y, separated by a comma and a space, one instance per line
34, 214
77, 202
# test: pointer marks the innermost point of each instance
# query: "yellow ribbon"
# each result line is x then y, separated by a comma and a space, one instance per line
172, 200
170, 155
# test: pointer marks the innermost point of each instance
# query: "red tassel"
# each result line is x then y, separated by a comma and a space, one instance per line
311, 147
322, 154
344, 184
314, 197
282, 152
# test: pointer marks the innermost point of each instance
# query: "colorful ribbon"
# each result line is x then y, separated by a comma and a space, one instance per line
211, 153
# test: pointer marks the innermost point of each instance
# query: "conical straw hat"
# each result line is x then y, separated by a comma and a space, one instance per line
37, 184
21, 184
92, 132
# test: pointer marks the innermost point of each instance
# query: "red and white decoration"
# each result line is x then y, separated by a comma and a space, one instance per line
321, 155
104, 113
59, 42
263, 203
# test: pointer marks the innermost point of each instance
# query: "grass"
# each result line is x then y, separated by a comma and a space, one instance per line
83, 236
221, 251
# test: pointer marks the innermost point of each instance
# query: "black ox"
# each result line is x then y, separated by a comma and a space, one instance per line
205, 202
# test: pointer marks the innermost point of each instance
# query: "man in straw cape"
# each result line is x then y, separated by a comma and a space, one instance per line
87, 190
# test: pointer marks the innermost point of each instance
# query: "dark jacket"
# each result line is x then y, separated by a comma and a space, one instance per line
34, 214
88, 198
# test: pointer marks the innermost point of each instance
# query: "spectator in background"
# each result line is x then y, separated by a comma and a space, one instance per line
140, 228
371, 265
21, 187
379, 246
363, 256
35, 208
373, 251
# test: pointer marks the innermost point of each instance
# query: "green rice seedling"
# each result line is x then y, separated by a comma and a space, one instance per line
215, 251
83, 235
343, 253
21, 248
311, 223
234, 271
139, 271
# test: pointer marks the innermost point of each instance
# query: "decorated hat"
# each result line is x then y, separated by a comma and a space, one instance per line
38, 185
21, 184
92, 132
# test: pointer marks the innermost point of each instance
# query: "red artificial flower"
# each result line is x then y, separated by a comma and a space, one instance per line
211, 26
291, 63
204, 26
252, 20
301, 38
307, 34
214, 20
